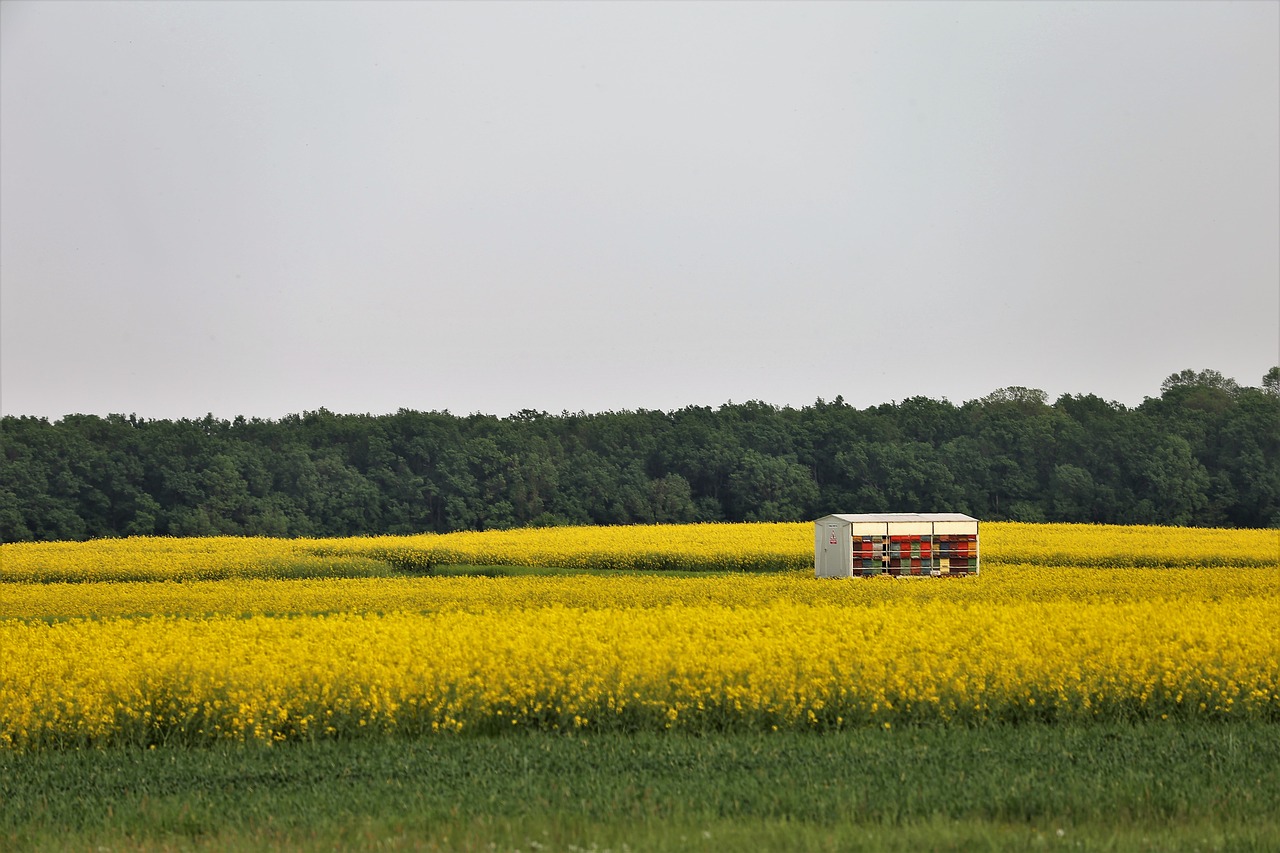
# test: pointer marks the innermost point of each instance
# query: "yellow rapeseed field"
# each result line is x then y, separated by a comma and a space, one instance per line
1001, 586
691, 547
148, 641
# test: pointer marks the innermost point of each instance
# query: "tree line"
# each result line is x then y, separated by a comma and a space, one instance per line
1205, 452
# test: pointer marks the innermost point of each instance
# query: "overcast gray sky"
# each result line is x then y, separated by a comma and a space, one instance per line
265, 208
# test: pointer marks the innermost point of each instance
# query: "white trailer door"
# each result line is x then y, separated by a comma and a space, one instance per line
835, 551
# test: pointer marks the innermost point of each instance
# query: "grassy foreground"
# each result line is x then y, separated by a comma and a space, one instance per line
1148, 786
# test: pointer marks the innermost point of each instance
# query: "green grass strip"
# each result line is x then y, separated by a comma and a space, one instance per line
1155, 786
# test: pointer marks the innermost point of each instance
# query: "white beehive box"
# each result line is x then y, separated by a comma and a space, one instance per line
899, 544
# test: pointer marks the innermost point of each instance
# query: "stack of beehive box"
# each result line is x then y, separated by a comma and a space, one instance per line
915, 555
957, 554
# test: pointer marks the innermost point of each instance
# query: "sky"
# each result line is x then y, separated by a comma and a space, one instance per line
267, 208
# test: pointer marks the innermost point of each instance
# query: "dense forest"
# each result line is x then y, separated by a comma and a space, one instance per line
1205, 452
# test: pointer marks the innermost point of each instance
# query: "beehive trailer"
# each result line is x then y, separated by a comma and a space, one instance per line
895, 544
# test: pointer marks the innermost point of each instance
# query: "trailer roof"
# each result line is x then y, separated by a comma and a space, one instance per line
901, 516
